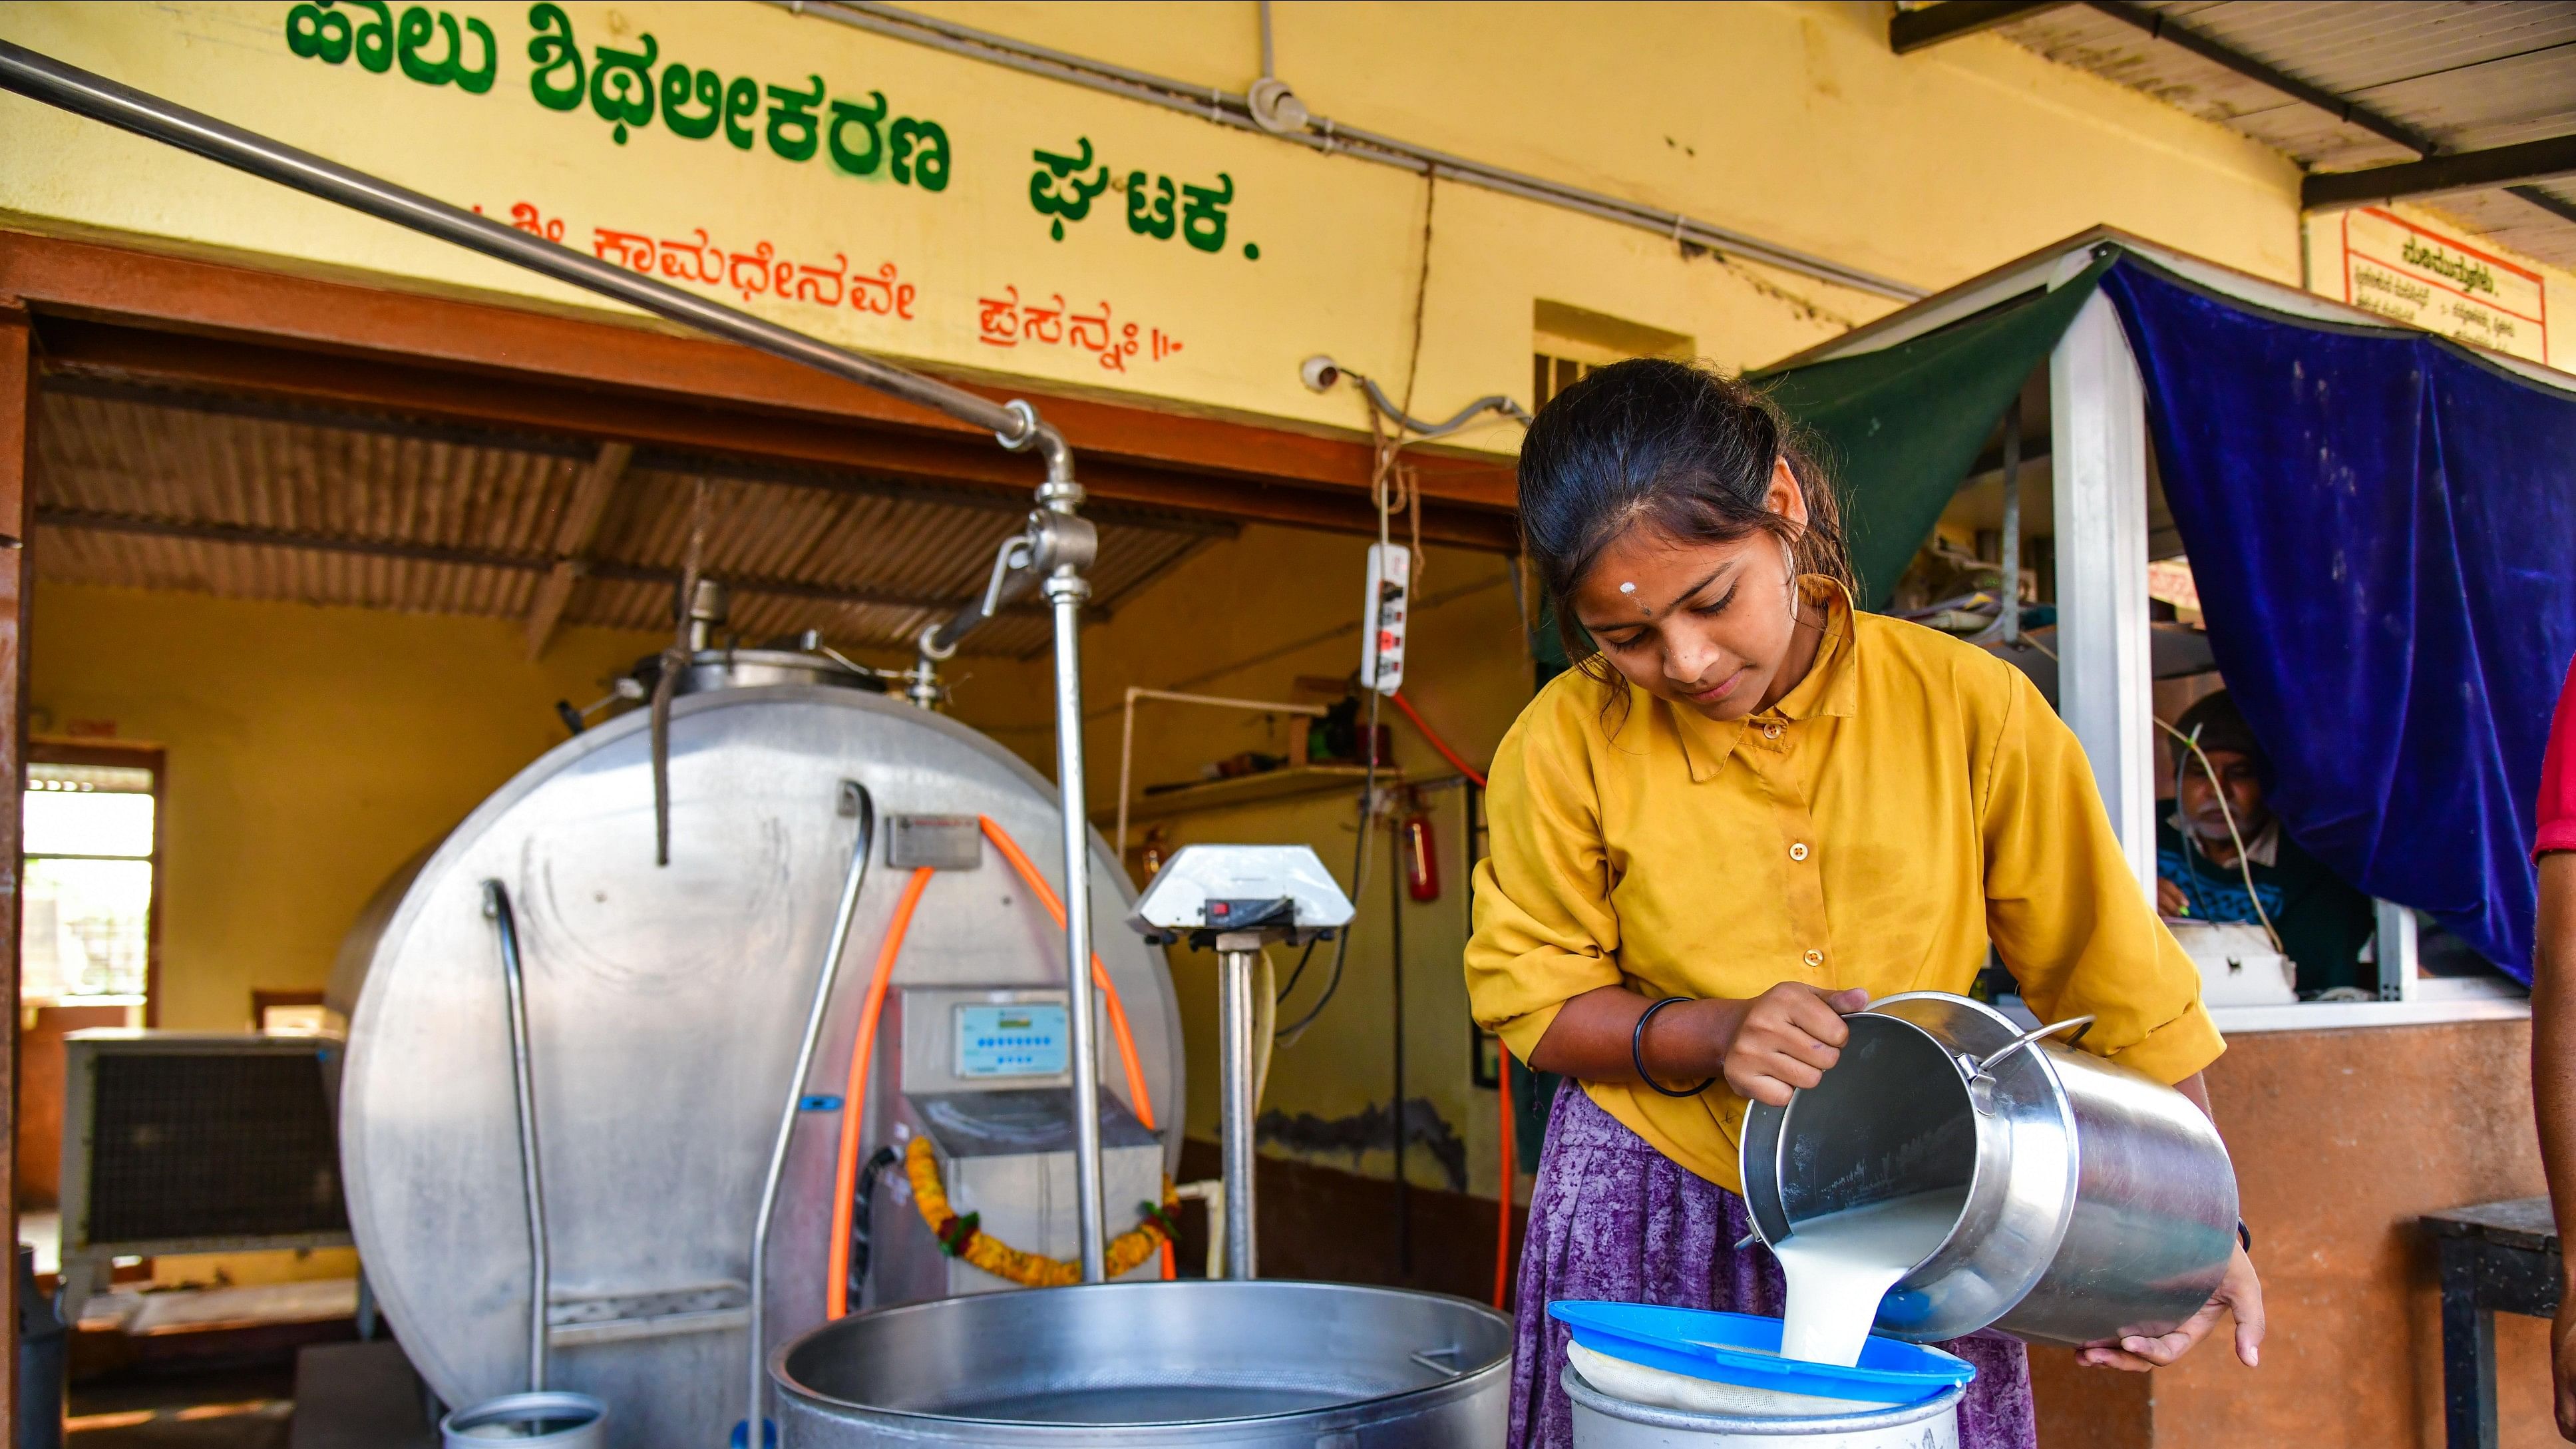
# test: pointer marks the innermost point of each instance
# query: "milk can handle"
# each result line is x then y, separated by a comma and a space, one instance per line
1985, 1070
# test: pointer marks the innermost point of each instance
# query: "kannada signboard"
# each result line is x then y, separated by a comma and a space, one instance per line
2399, 269
873, 193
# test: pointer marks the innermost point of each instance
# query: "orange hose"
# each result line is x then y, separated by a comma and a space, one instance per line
1437, 743
854, 1097
1503, 1233
1135, 1068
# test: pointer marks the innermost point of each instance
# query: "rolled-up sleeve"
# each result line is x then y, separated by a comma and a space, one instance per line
1545, 931
2067, 915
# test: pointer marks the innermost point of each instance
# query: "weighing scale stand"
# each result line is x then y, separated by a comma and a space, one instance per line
1238, 899
1236, 954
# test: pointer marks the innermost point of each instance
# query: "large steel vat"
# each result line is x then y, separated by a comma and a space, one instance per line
1258, 1364
664, 1004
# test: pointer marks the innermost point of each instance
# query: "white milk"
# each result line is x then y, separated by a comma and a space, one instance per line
1840, 1265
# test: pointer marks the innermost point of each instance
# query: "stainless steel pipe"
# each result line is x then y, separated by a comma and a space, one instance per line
1066, 590
825, 976
496, 909
1061, 545
1235, 1070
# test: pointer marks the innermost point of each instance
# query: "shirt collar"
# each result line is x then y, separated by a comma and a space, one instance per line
1831, 688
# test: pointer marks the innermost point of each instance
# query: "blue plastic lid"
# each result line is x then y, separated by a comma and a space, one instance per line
1741, 1349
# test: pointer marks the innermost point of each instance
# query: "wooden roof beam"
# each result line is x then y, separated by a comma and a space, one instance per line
251, 536
2544, 160
1926, 26
574, 533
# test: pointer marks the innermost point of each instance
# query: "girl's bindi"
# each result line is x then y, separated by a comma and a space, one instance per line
1642, 607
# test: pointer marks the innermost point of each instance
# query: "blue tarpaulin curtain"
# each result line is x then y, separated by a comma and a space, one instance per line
2382, 527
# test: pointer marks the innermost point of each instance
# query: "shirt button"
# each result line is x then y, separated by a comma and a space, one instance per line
1798, 851
1770, 732
1815, 957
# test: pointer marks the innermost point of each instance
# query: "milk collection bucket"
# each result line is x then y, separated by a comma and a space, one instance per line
2092, 1202
1603, 1422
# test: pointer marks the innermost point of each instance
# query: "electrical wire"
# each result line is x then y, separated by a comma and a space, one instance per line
1298, 974
1387, 452
1359, 873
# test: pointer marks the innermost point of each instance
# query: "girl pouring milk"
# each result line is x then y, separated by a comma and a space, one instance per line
1750, 809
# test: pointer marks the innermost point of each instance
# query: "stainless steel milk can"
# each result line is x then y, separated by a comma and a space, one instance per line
2099, 1202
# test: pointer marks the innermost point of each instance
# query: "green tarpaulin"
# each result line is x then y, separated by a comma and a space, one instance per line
1900, 427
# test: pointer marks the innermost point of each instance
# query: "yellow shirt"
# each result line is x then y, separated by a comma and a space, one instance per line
1913, 798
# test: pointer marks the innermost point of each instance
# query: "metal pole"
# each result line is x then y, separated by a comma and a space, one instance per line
496, 909
1234, 963
2010, 604
1395, 889
1063, 545
755, 1415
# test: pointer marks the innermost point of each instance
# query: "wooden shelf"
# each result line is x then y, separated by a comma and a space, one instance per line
1287, 783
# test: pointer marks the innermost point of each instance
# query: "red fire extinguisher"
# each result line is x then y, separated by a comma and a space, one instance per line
1421, 858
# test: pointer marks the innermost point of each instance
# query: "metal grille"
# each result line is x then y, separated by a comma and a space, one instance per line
195, 1145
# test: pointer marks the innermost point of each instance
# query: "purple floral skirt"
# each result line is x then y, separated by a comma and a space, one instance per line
1612, 1218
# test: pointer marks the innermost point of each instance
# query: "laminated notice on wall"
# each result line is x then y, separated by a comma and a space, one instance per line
1390, 575
2398, 269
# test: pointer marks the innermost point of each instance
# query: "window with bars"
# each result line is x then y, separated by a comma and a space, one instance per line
89, 856
1568, 342
1553, 375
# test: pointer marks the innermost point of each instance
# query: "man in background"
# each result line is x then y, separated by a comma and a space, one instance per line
2553, 1019
2321, 922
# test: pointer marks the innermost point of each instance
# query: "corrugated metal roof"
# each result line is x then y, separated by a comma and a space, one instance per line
146, 489
2466, 74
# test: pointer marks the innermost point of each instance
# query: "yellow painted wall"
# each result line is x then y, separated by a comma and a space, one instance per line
310, 752
1787, 121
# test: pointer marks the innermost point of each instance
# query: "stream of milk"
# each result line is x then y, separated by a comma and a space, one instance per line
1840, 1265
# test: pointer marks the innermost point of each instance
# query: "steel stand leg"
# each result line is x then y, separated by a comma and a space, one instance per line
1234, 1066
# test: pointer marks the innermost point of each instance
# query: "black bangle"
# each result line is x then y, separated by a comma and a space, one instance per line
2245, 1235
1637, 1052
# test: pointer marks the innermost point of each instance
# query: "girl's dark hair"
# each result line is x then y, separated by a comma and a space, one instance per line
1683, 449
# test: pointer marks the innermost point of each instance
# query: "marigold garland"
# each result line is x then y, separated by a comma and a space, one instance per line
962, 1237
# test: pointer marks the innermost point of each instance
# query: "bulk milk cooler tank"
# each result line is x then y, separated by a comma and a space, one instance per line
578, 1121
